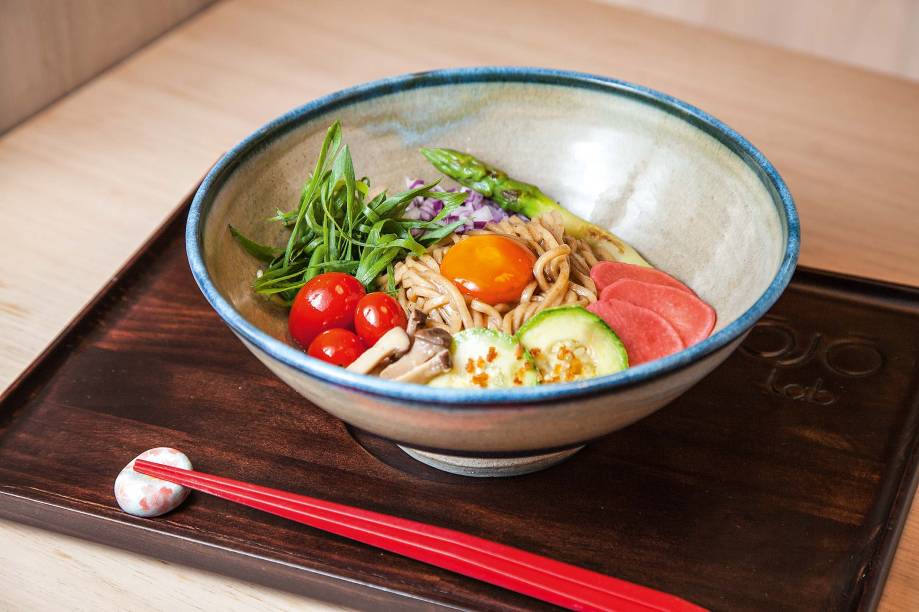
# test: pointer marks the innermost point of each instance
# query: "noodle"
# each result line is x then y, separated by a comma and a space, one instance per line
561, 276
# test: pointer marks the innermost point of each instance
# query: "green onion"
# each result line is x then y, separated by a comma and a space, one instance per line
336, 229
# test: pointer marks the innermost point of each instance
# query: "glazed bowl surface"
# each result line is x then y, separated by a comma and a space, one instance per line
692, 195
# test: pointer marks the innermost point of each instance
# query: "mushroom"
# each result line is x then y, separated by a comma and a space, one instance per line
428, 357
416, 319
391, 345
426, 370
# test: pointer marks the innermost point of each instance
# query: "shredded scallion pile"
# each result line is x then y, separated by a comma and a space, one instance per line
336, 229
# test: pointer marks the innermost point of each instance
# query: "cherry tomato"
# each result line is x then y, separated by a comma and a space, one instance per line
325, 302
376, 314
337, 346
489, 267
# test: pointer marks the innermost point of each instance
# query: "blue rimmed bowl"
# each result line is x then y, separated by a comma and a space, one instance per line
691, 194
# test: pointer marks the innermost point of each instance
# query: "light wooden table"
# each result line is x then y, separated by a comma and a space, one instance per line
83, 183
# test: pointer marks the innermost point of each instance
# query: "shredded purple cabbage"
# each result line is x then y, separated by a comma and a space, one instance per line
476, 212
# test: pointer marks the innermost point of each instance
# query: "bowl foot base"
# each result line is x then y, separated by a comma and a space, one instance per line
489, 467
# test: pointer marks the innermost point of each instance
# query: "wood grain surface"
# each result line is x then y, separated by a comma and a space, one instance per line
114, 579
82, 183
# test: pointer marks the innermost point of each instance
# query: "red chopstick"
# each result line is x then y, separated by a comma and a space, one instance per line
511, 568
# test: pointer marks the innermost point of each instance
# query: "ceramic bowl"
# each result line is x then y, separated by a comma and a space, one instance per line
691, 194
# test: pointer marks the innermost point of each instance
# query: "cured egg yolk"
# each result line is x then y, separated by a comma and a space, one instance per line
491, 268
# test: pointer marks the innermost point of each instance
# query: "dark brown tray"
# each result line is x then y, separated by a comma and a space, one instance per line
779, 482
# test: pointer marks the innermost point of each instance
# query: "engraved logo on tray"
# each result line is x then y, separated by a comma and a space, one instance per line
775, 341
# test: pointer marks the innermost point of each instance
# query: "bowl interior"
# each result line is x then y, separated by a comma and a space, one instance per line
687, 202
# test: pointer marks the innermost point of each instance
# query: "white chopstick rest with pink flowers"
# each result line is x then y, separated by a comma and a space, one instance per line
146, 496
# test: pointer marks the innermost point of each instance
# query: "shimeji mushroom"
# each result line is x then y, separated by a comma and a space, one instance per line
428, 357
391, 345
416, 319
413, 355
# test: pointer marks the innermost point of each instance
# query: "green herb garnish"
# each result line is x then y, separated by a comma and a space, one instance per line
335, 228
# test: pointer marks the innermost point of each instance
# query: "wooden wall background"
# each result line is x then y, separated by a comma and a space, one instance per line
880, 35
49, 47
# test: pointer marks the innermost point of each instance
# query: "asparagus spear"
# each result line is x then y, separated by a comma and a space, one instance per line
525, 199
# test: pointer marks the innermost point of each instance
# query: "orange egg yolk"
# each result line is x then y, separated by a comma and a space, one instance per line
491, 268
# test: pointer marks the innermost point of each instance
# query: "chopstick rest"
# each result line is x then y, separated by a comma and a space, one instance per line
511, 568
146, 496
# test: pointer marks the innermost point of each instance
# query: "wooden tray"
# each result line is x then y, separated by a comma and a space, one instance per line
779, 482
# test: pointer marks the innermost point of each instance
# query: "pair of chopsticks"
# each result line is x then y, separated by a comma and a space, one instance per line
511, 568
